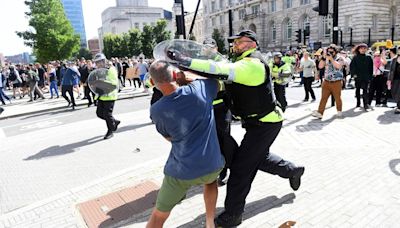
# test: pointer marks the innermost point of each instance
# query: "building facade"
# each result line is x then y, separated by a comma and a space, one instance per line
130, 14
94, 46
2, 60
74, 12
198, 28
23, 58
275, 21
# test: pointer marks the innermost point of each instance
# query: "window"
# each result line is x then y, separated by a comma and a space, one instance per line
222, 19
273, 31
326, 28
136, 25
272, 6
213, 21
213, 7
231, 2
221, 4
306, 25
374, 22
153, 24
242, 14
287, 31
255, 9
288, 4
304, 2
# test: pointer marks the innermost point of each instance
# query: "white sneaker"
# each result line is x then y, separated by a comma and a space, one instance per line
339, 114
317, 114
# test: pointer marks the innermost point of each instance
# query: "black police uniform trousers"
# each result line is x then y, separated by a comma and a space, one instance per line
104, 111
280, 95
253, 155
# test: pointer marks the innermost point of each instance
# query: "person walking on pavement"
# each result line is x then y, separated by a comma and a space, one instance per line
84, 71
307, 66
15, 80
332, 84
361, 68
393, 82
2, 94
253, 100
391, 58
53, 82
105, 103
195, 157
143, 69
377, 83
68, 83
32, 79
280, 72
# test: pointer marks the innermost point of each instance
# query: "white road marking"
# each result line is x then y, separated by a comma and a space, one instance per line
37, 121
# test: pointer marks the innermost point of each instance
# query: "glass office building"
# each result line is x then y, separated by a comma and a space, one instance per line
74, 12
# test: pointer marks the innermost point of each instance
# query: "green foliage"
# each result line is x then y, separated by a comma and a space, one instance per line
85, 53
217, 36
134, 42
52, 36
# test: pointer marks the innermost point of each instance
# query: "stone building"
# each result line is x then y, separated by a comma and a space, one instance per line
198, 28
275, 21
94, 46
128, 14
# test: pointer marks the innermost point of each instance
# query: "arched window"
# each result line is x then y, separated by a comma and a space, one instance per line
287, 29
326, 26
306, 24
253, 28
272, 28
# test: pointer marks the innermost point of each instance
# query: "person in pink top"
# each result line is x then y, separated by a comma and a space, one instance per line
378, 82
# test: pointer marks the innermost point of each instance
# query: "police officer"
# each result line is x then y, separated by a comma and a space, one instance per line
223, 118
253, 100
106, 102
280, 72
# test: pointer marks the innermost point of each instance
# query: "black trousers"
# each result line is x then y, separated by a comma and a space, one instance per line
104, 111
280, 95
377, 85
138, 81
307, 87
362, 84
253, 155
69, 89
88, 94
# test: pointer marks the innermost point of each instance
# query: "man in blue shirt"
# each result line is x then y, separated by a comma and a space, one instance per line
185, 117
68, 83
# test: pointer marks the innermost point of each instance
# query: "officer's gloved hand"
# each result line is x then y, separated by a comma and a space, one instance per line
179, 57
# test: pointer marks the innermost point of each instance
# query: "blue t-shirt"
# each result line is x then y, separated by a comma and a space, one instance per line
187, 117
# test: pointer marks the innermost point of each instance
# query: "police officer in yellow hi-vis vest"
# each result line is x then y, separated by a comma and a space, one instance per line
106, 102
281, 73
253, 100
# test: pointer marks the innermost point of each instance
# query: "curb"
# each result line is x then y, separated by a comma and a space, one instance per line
63, 107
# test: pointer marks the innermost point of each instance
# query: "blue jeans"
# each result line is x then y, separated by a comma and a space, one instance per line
53, 85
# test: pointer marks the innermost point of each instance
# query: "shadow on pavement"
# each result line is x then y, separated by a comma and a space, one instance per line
67, 109
388, 117
252, 209
392, 164
73, 147
66, 149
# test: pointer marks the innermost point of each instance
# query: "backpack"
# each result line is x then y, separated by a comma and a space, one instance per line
12, 76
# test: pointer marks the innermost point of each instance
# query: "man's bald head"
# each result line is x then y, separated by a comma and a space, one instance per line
161, 72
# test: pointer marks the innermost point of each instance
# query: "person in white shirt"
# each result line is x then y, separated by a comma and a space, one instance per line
308, 67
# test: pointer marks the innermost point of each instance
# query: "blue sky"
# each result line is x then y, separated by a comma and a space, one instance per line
12, 18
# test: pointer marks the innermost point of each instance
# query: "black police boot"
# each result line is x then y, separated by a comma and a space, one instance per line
109, 135
117, 122
295, 180
226, 220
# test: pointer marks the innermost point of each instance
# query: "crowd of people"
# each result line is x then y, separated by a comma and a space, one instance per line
64, 77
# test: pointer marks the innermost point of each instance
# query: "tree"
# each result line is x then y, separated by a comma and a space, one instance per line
135, 43
160, 32
217, 36
109, 45
84, 53
52, 36
147, 39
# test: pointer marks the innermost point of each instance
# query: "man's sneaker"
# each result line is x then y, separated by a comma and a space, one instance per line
339, 114
117, 122
368, 108
227, 220
295, 180
317, 114
109, 135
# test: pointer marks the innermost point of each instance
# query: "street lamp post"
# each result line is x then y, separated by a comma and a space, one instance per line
392, 29
179, 18
351, 36
335, 21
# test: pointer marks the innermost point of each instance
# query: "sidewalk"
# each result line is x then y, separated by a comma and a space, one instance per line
352, 178
21, 107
